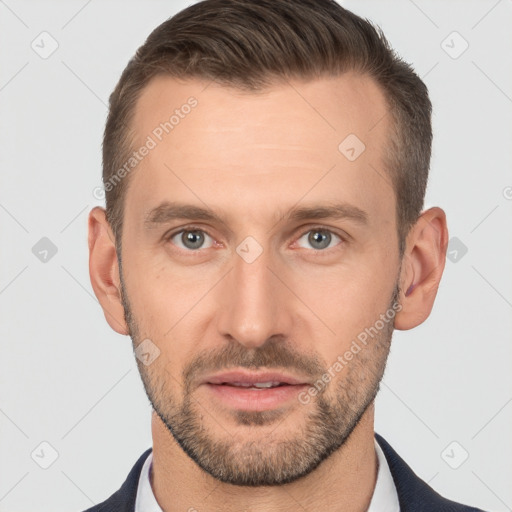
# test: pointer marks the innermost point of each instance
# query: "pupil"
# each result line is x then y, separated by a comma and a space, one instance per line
192, 239
321, 238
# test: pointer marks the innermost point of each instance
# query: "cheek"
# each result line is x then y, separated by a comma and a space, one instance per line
172, 307
152, 298
348, 299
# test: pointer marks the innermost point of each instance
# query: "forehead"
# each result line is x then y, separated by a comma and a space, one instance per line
222, 146
332, 107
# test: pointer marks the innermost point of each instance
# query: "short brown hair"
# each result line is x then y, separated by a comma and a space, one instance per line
251, 44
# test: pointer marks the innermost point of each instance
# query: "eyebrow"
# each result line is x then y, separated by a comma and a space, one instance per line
330, 211
169, 211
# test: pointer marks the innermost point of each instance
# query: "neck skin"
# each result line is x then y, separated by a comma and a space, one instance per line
344, 481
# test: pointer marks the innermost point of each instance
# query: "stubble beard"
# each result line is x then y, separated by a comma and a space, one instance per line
278, 457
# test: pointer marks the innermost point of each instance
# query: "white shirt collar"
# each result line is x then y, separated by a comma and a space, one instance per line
145, 500
384, 499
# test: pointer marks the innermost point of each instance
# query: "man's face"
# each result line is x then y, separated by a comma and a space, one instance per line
260, 290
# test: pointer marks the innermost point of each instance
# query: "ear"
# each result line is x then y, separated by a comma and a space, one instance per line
422, 267
104, 270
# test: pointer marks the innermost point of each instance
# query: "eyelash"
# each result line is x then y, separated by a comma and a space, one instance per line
343, 240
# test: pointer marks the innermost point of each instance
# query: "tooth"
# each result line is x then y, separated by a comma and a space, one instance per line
264, 384
260, 385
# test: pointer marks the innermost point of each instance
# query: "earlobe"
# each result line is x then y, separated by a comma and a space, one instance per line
104, 270
422, 268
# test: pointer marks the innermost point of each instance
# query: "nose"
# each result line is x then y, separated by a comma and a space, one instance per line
254, 305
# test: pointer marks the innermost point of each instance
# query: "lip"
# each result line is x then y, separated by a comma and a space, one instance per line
251, 399
246, 377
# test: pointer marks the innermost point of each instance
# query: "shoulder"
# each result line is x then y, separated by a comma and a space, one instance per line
415, 495
123, 500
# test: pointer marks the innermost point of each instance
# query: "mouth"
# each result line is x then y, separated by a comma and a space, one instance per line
257, 380
254, 391
255, 385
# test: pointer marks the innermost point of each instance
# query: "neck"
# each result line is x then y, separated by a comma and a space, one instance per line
346, 479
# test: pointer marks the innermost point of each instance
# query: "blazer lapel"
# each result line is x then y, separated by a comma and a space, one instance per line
414, 495
124, 499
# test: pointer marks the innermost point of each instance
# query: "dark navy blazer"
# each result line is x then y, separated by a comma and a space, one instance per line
414, 495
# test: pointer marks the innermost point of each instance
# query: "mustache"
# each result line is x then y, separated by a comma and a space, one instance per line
273, 354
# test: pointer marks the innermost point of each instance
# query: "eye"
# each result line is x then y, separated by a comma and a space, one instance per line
319, 238
191, 239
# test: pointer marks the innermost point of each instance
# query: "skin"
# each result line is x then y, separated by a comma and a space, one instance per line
251, 158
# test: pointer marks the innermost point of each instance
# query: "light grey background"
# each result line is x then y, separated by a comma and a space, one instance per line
68, 380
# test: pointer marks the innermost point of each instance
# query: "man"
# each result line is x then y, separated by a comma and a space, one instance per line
265, 164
